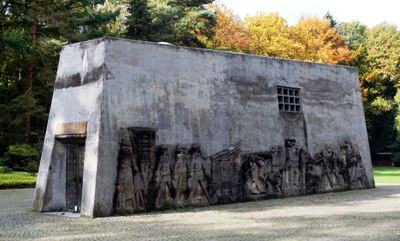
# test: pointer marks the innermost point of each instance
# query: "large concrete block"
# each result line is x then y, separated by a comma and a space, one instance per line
167, 126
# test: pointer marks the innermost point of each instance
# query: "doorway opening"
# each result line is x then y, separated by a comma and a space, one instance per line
75, 155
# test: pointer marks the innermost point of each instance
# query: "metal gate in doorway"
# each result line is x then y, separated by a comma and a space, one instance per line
75, 154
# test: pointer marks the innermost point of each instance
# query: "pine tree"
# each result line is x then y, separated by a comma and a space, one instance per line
31, 35
179, 22
138, 23
334, 22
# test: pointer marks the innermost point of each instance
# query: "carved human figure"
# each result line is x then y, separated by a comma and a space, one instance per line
180, 176
163, 181
278, 160
125, 198
313, 175
302, 161
197, 181
252, 183
138, 189
255, 176
357, 172
120, 195
330, 180
335, 175
321, 163
268, 177
291, 178
261, 166
277, 181
296, 175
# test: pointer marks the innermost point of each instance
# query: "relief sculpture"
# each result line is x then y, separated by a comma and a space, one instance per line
158, 177
180, 176
257, 175
163, 179
198, 174
225, 186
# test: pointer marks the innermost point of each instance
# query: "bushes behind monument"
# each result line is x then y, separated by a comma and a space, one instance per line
21, 157
19, 166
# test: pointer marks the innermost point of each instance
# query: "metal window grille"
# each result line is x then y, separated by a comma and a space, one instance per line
289, 99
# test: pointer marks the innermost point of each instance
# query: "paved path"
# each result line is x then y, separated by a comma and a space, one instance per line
372, 214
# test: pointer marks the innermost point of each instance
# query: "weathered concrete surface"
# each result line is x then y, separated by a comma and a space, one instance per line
216, 98
190, 95
71, 105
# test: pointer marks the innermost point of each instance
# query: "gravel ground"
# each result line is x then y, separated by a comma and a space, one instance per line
372, 214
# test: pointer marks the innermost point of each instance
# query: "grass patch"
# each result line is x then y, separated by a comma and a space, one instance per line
387, 175
17, 180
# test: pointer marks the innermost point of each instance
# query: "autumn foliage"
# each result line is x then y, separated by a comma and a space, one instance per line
312, 39
230, 31
33, 32
319, 42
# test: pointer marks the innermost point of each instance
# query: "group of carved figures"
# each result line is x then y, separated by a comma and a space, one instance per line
289, 171
164, 176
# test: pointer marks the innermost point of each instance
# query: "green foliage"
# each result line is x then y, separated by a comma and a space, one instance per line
73, 21
376, 55
138, 22
397, 118
175, 21
21, 155
383, 43
32, 168
380, 105
5, 169
395, 156
17, 180
334, 22
3, 160
353, 33
21, 49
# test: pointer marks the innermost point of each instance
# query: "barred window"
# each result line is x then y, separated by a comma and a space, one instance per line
289, 99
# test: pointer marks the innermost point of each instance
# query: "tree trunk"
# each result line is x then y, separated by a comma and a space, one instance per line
30, 75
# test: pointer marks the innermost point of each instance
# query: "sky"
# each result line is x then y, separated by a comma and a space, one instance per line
369, 13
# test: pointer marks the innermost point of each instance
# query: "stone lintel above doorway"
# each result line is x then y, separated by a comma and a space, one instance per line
74, 132
74, 128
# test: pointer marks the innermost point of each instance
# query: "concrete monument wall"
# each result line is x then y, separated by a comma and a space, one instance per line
156, 126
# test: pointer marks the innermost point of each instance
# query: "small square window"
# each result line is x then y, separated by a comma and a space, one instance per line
289, 99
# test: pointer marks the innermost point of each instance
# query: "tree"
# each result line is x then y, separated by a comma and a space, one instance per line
182, 22
74, 21
353, 33
230, 31
383, 50
138, 22
355, 36
31, 36
269, 35
320, 42
383, 44
376, 57
334, 22
16, 64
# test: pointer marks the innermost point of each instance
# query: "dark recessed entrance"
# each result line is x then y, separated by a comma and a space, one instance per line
75, 154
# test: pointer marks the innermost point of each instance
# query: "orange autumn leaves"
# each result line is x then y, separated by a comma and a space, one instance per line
311, 39
230, 32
